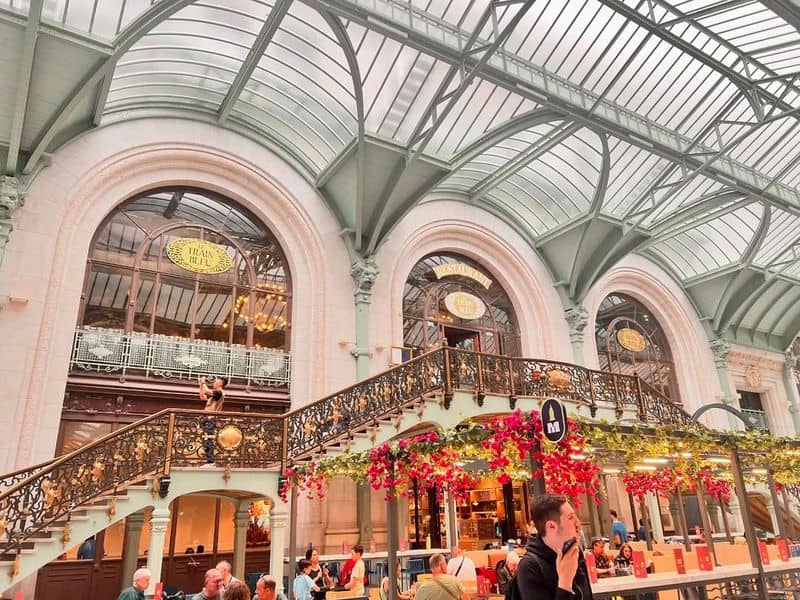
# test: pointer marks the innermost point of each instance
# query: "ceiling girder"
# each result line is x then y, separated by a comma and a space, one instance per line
411, 26
264, 37
26, 64
424, 132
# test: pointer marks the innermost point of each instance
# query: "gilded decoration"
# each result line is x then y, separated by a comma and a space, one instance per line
199, 256
464, 306
558, 378
229, 437
752, 375
630, 339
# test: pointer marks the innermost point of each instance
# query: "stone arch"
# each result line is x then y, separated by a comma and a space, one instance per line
649, 284
92, 175
468, 230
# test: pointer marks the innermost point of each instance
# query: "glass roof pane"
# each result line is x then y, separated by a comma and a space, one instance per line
102, 19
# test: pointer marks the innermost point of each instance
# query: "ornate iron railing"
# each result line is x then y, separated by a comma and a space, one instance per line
445, 370
757, 417
154, 445
9, 479
114, 351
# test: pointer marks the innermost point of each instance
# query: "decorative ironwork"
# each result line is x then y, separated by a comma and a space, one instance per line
657, 408
153, 445
113, 351
9, 479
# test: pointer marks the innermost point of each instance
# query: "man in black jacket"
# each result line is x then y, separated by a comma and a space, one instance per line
544, 574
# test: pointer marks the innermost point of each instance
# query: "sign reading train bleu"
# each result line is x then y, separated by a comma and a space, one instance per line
464, 306
554, 420
199, 256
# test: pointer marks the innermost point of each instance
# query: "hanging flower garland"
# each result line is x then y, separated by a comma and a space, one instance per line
439, 459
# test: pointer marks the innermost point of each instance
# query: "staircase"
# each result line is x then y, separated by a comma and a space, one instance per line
47, 508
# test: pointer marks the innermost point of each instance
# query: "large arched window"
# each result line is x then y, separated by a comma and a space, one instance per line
190, 264
450, 296
631, 341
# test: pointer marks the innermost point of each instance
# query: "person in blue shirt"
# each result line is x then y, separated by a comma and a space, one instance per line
303, 584
619, 533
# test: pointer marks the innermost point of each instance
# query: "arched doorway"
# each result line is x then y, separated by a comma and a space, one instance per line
449, 296
631, 341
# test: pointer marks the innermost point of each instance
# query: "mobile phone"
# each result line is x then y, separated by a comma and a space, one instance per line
568, 545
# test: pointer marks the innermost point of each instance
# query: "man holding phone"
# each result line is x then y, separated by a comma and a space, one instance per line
553, 567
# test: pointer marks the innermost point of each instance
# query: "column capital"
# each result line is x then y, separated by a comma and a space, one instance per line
789, 362
135, 521
159, 520
278, 516
241, 518
577, 317
720, 349
12, 195
364, 272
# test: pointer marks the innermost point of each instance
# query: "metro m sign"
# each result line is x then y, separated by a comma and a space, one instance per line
554, 420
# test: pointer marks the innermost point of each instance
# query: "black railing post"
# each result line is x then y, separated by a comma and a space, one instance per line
747, 518
448, 383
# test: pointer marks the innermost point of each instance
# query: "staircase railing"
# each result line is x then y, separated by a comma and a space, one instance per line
154, 445
445, 370
9, 479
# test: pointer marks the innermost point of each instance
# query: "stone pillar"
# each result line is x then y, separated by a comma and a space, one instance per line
130, 553
790, 385
364, 272
577, 317
451, 519
241, 521
773, 516
736, 513
159, 523
12, 196
278, 519
721, 349
655, 518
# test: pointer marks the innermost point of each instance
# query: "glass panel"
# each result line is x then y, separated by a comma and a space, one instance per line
213, 319
145, 302
174, 307
106, 295
76, 434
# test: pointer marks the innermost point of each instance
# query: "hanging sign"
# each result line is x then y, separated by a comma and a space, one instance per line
199, 256
462, 269
630, 339
464, 306
554, 420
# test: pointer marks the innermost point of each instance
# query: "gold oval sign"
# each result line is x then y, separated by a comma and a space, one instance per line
229, 437
464, 305
199, 256
630, 339
558, 378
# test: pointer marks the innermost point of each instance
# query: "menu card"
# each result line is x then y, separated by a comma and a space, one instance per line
704, 562
482, 586
159, 588
762, 551
783, 548
591, 566
680, 564
639, 564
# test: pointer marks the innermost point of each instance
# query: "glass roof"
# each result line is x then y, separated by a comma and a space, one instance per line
675, 122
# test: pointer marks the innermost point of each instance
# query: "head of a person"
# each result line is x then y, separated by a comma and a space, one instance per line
598, 547
212, 583
626, 551
266, 587
555, 519
357, 551
237, 590
224, 568
512, 562
613, 514
438, 564
219, 383
304, 566
312, 555
641, 522
141, 579
455, 551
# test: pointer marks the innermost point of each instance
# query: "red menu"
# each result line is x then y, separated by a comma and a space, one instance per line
762, 551
783, 548
591, 566
483, 587
157, 591
680, 564
639, 565
704, 562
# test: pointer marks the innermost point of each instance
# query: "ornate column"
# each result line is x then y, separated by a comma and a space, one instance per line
577, 317
655, 517
130, 553
721, 349
159, 523
241, 521
278, 519
790, 384
773, 515
12, 196
736, 514
364, 272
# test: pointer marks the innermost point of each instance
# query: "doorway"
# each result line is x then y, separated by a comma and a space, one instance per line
465, 339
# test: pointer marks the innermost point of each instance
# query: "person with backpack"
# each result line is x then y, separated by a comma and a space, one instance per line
506, 569
546, 571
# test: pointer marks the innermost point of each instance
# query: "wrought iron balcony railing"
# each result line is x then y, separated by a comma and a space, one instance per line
114, 351
757, 417
152, 446
446, 370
